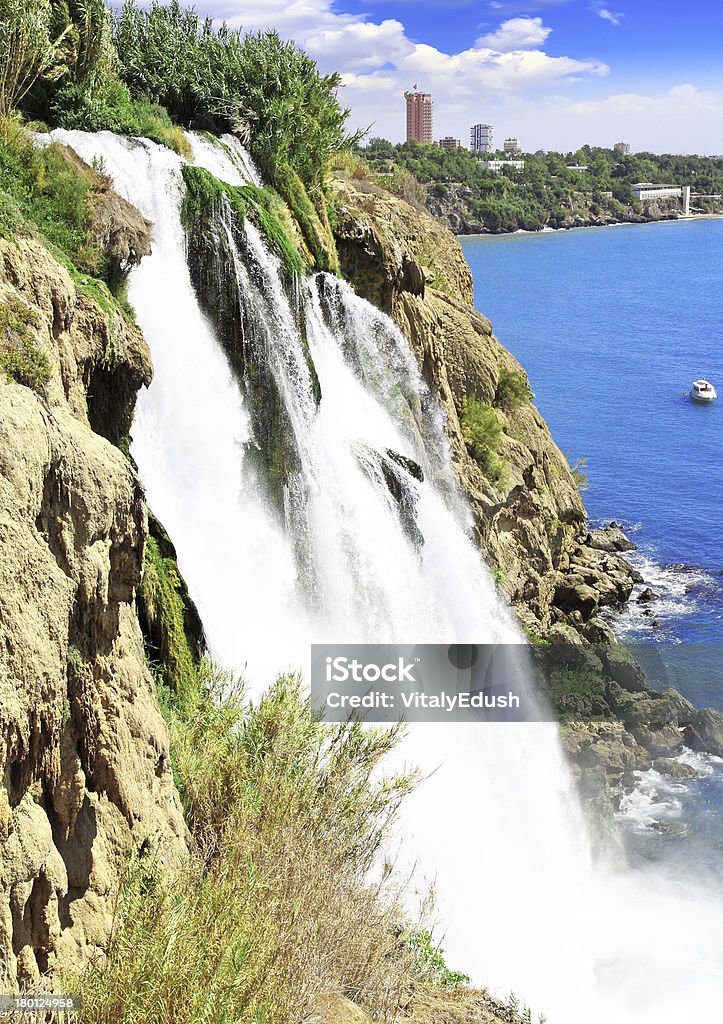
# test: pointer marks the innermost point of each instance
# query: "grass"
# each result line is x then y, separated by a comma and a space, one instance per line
20, 358
482, 433
275, 907
39, 186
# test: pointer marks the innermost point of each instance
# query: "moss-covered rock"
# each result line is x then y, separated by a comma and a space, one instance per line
213, 218
172, 629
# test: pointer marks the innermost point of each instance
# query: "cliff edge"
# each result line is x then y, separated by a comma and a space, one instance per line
88, 780
529, 517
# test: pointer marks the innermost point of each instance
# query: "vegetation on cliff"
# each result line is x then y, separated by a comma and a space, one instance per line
142, 71
547, 193
275, 908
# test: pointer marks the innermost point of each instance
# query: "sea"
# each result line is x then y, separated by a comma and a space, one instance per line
613, 325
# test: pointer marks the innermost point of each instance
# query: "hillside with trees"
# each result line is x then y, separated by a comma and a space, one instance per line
455, 186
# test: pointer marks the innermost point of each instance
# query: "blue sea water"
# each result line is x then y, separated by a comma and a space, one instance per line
612, 326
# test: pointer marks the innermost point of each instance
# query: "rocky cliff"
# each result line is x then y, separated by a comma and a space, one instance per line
456, 206
87, 779
529, 516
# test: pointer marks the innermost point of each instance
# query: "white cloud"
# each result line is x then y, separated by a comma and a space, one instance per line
608, 15
516, 34
360, 45
506, 77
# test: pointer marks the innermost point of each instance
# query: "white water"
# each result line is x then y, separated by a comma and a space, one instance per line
496, 823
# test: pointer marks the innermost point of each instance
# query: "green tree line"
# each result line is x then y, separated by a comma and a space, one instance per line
77, 64
546, 191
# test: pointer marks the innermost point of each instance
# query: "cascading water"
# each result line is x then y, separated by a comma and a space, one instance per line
344, 557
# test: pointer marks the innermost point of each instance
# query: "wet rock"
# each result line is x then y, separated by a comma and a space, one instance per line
705, 732
675, 769
646, 596
609, 538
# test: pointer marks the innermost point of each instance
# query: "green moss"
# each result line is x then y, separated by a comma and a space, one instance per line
20, 358
268, 211
482, 433
263, 206
169, 620
317, 235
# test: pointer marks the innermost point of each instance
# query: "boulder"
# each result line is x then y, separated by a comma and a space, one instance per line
609, 538
705, 732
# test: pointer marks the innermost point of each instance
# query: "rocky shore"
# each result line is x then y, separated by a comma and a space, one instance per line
563, 578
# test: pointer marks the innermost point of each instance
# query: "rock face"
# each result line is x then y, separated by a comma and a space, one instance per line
531, 522
87, 779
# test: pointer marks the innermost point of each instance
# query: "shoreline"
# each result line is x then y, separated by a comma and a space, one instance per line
586, 227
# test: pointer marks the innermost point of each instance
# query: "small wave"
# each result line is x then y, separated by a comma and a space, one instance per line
682, 591
653, 804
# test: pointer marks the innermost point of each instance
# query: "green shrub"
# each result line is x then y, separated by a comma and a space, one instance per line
274, 909
402, 183
430, 960
20, 358
512, 389
482, 433
577, 470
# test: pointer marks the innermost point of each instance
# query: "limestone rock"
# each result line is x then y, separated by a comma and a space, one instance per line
705, 732
84, 754
609, 538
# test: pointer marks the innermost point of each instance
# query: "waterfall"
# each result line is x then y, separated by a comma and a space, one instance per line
338, 555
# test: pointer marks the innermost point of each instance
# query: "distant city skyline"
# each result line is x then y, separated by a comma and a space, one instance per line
555, 73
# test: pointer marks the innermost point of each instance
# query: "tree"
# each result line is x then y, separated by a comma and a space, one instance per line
27, 51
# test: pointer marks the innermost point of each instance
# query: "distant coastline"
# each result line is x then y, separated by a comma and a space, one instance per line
584, 227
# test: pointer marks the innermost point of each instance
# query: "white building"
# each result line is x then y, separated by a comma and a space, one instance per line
497, 165
448, 142
644, 191
512, 146
580, 168
481, 138
622, 148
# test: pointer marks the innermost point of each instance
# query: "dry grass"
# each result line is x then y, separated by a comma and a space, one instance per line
274, 911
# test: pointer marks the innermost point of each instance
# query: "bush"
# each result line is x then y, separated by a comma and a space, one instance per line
482, 433
275, 908
430, 960
41, 186
20, 358
512, 389
403, 184
577, 471
258, 85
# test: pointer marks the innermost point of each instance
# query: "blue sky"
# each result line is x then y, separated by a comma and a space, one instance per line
556, 73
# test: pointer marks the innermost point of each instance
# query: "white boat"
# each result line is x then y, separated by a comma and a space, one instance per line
703, 391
